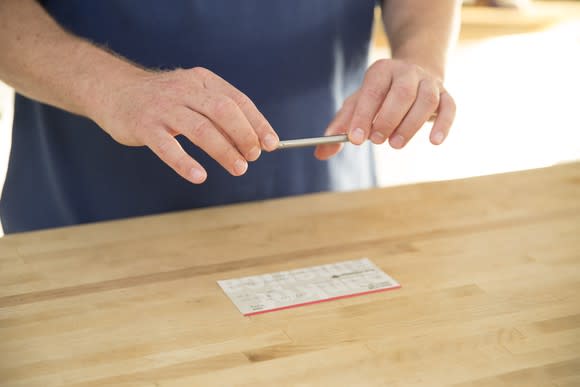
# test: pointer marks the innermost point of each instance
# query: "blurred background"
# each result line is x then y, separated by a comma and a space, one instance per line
515, 76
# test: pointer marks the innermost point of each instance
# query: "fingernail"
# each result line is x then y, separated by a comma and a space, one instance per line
438, 138
397, 141
270, 142
357, 135
377, 138
240, 167
197, 175
254, 153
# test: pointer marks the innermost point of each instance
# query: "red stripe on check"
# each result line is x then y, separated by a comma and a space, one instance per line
324, 300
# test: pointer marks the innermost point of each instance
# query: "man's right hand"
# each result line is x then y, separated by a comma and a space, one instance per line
152, 108
136, 107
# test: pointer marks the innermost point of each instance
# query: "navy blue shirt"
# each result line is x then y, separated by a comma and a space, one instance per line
297, 60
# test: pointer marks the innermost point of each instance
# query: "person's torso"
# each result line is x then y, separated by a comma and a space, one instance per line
296, 60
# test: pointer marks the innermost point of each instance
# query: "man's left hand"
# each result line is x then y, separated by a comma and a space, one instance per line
394, 101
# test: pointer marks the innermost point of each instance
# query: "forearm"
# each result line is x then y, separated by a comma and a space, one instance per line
44, 62
422, 31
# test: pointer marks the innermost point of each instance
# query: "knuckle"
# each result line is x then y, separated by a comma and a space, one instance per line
385, 124
205, 102
222, 107
430, 96
381, 63
360, 116
243, 101
226, 156
350, 101
182, 164
373, 92
405, 91
447, 105
179, 122
164, 148
405, 67
263, 126
201, 130
249, 140
400, 66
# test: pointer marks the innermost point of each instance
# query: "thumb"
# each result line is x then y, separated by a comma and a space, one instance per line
339, 125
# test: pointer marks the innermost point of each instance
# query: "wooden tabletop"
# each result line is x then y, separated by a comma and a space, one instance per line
489, 267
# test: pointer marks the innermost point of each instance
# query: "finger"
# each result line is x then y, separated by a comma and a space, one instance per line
444, 120
224, 113
338, 125
423, 107
399, 100
166, 147
200, 131
371, 96
268, 137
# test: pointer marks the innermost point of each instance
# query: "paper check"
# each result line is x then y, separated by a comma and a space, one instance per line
287, 289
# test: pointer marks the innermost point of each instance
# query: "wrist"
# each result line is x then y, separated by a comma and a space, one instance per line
104, 77
431, 62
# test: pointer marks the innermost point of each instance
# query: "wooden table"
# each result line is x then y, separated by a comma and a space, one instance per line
490, 269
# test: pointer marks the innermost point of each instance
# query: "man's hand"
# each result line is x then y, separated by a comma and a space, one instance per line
153, 108
394, 101
136, 107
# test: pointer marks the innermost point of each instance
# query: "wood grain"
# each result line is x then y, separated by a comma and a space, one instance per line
490, 269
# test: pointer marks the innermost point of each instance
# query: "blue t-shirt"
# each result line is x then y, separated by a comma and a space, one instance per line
297, 60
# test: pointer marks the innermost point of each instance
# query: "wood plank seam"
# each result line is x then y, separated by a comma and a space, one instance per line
189, 272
